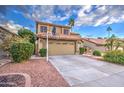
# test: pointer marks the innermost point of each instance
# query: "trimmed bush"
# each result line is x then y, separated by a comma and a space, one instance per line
42, 52
82, 50
96, 53
28, 34
114, 56
21, 51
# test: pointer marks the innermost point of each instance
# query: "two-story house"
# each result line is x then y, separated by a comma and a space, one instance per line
61, 40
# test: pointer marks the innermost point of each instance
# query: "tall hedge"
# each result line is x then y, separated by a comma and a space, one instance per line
21, 51
114, 56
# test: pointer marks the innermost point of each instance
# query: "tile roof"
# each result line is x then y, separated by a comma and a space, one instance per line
95, 40
74, 33
59, 37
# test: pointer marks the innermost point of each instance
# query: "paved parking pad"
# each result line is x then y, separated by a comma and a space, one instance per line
81, 71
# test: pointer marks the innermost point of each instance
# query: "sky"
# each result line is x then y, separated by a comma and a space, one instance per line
90, 20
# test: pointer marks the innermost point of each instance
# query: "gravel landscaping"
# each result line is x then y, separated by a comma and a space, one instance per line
42, 73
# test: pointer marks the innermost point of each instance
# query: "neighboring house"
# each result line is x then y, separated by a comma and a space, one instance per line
94, 44
122, 48
4, 33
61, 40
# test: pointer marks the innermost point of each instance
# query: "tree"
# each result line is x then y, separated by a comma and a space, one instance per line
109, 29
110, 42
8, 41
113, 43
122, 44
25, 33
71, 22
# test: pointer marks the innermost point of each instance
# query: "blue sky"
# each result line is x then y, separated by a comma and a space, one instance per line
90, 21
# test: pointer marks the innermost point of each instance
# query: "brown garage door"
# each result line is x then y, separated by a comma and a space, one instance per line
61, 47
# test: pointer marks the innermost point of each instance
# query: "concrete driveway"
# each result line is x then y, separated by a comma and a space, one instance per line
86, 72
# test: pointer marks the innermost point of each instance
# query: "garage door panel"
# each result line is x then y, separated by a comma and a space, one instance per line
61, 47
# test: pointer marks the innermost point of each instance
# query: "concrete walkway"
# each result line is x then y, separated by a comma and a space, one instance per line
86, 72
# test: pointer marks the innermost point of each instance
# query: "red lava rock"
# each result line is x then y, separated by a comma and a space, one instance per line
42, 73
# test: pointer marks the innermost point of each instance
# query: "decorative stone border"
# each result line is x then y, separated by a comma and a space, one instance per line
27, 78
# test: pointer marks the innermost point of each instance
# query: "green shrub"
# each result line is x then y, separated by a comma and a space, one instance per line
82, 50
21, 51
96, 53
42, 52
114, 56
28, 34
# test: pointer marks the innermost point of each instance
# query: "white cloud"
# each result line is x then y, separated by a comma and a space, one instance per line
86, 8
46, 13
102, 20
85, 15
51, 13
101, 15
12, 26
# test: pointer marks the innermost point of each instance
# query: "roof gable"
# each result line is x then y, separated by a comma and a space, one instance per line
95, 41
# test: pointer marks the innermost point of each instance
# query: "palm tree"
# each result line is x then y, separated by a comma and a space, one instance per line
109, 29
117, 44
71, 22
110, 42
114, 43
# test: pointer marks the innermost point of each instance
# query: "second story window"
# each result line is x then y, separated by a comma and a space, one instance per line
54, 30
43, 28
66, 31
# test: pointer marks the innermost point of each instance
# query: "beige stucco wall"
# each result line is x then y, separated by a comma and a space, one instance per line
78, 45
59, 30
